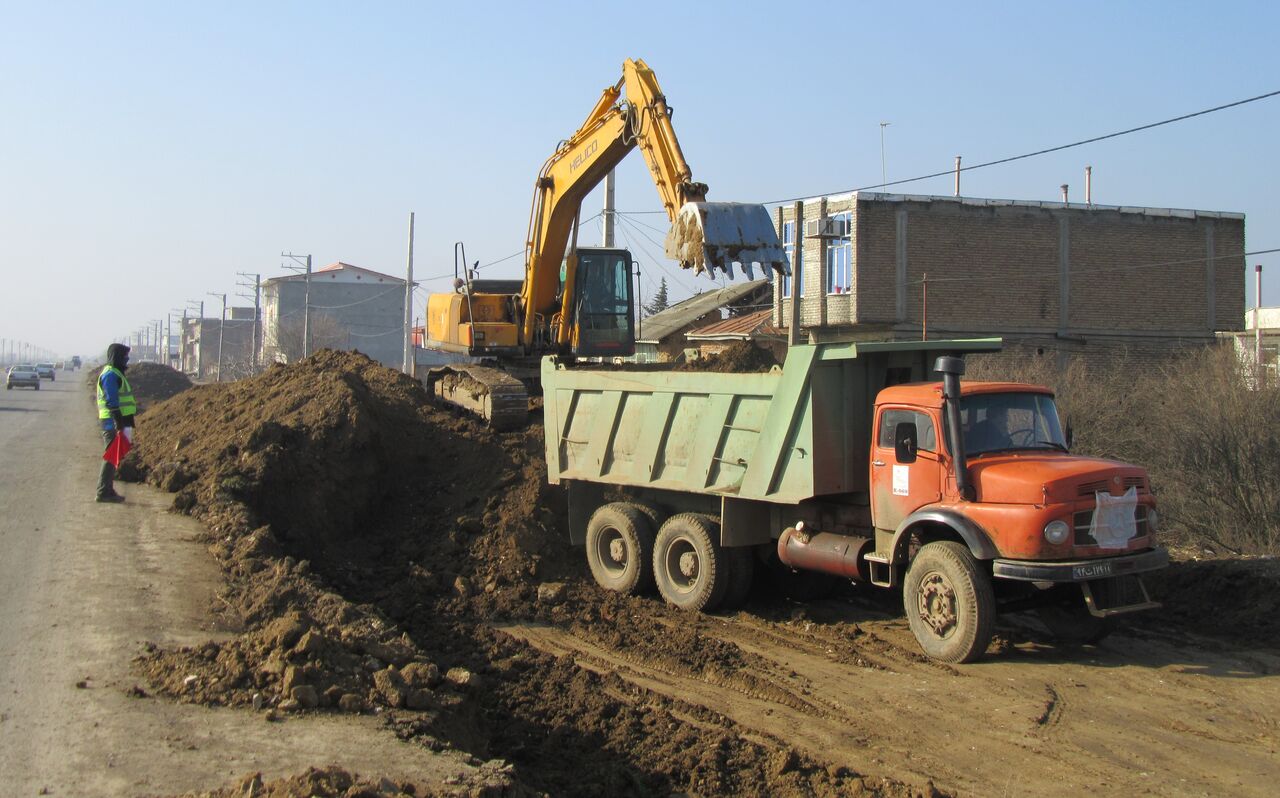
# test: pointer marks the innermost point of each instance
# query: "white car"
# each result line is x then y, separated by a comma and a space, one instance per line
46, 371
24, 375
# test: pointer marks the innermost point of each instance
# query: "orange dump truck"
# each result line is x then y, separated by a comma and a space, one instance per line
854, 460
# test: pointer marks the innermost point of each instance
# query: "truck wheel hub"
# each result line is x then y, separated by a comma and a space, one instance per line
937, 604
618, 550
688, 565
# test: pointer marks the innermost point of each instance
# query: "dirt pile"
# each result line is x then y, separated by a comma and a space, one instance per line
151, 382
1237, 599
335, 782
741, 357
372, 542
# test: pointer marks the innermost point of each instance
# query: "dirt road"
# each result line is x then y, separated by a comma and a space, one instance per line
83, 587
1147, 712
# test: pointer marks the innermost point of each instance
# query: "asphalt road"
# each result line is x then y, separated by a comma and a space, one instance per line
83, 587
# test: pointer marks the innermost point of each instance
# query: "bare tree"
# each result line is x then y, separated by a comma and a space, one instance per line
283, 343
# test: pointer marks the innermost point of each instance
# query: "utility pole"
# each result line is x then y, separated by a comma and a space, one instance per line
607, 216
199, 344
182, 339
884, 174
408, 365
257, 301
306, 299
222, 325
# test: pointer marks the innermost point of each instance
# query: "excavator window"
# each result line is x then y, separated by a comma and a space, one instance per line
605, 306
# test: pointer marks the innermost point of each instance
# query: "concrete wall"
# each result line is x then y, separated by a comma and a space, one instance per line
1046, 276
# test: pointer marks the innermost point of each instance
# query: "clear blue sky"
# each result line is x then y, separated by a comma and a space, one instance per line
149, 151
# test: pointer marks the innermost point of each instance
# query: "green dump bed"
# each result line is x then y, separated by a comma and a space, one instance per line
782, 436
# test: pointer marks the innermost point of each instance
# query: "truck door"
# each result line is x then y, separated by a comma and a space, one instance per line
902, 481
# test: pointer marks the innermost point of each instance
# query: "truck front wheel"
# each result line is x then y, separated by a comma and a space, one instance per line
949, 602
620, 548
688, 563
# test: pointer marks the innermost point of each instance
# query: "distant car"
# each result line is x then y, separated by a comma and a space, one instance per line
46, 371
75, 362
22, 376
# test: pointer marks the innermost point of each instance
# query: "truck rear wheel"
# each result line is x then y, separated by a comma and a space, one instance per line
620, 548
949, 602
689, 565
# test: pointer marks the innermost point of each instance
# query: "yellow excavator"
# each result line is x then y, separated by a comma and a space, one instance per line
577, 302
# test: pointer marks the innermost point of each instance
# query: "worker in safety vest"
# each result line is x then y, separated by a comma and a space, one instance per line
116, 408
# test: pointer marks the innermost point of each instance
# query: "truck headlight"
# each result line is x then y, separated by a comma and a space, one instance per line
1153, 520
1056, 532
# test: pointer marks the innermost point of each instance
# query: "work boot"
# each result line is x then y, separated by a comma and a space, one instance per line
112, 498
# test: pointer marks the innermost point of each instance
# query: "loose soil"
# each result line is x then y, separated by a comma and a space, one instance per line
384, 554
740, 357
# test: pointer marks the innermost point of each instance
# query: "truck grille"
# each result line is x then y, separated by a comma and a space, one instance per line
1083, 521
1104, 486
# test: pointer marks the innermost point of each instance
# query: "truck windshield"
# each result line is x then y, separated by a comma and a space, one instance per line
997, 422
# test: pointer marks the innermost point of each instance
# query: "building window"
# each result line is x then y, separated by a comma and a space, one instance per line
839, 256
789, 249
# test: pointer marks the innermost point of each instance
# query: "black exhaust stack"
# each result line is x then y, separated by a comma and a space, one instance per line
951, 368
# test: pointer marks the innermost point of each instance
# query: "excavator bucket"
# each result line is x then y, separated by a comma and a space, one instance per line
707, 236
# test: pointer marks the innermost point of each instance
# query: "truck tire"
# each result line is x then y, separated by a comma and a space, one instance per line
949, 602
742, 571
1073, 624
620, 548
688, 563
37, 386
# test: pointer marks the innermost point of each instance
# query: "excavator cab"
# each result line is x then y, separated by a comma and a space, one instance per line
604, 304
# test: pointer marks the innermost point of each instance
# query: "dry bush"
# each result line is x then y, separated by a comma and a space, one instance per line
1210, 443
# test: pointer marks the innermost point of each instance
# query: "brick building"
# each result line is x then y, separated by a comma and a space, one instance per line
1047, 276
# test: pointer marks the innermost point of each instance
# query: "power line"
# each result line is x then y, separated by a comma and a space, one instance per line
1012, 158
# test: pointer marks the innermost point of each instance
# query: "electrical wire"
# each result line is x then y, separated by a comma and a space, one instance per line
1023, 156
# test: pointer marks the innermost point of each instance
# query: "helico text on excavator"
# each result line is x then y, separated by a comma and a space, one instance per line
587, 308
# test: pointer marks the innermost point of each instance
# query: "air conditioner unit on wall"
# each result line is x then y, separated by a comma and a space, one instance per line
826, 228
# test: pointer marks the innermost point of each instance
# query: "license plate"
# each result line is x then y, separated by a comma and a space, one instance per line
1093, 570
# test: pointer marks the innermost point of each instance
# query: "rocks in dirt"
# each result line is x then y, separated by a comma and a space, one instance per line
552, 593
350, 702
462, 587
310, 643
461, 677
289, 705
286, 631
391, 686
305, 695
421, 674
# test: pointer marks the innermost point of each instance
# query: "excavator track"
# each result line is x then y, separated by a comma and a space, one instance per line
497, 397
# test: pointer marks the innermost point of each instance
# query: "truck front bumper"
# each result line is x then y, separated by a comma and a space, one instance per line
1081, 570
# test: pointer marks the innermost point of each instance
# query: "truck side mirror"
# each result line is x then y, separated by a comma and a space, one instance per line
905, 442
1071, 435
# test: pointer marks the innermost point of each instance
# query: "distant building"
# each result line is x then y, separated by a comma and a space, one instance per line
351, 308
661, 337
1049, 277
1261, 349
758, 327
199, 342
